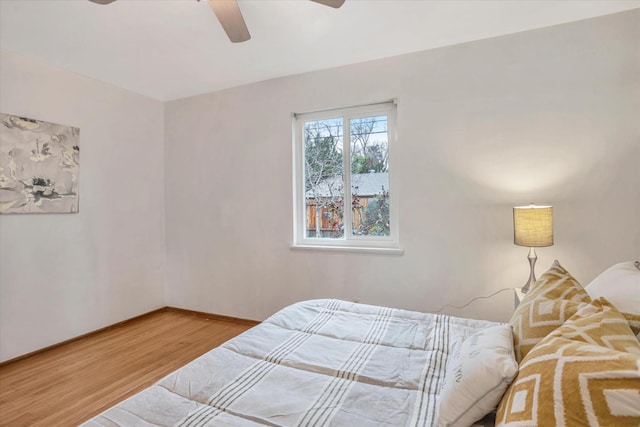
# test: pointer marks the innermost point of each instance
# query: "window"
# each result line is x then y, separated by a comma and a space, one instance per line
343, 194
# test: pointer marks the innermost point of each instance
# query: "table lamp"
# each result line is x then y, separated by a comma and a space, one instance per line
532, 227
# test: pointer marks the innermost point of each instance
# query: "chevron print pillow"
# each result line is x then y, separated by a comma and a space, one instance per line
634, 322
600, 323
623, 322
554, 298
620, 284
585, 373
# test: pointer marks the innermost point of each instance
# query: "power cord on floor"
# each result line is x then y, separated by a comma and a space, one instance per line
474, 299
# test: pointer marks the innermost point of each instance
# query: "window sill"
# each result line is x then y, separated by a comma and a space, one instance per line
352, 249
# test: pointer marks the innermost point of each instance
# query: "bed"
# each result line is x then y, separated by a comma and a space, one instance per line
313, 363
570, 356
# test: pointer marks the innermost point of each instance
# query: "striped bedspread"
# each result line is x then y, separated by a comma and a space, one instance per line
314, 363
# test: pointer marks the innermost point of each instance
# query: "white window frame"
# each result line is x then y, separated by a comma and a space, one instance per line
365, 244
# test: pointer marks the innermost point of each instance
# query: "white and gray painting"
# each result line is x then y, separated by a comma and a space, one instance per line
38, 166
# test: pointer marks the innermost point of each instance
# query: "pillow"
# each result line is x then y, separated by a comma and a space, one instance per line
620, 284
477, 375
600, 323
587, 372
634, 323
554, 298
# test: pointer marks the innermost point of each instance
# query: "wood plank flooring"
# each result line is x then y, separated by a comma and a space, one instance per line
71, 383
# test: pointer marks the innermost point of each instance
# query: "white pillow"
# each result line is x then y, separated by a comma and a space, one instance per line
477, 375
620, 285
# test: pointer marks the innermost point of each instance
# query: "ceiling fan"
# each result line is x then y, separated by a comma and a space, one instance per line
230, 17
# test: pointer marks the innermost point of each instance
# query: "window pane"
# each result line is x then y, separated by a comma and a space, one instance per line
370, 176
323, 180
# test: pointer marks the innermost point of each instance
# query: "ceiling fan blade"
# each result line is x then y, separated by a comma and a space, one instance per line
102, 1
332, 3
231, 19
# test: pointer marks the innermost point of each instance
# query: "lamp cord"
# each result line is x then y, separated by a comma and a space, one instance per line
474, 299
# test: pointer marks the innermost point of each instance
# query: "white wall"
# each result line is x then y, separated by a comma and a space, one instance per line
549, 116
62, 275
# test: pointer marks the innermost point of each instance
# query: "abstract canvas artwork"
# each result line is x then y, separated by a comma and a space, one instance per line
39, 164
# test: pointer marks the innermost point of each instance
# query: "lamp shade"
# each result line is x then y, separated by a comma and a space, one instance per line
533, 226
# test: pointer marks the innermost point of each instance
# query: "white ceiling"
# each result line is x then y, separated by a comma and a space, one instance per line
168, 49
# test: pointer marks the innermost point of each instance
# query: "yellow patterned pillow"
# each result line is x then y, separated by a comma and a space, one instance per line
600, 323
634, 322
554, 298
620, 285
585, 373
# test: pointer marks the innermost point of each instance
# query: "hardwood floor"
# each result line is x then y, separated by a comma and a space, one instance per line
69, 384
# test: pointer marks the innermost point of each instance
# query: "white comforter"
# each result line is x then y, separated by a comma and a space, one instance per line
313, 363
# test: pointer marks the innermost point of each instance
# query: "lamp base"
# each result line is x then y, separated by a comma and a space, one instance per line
532, 276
